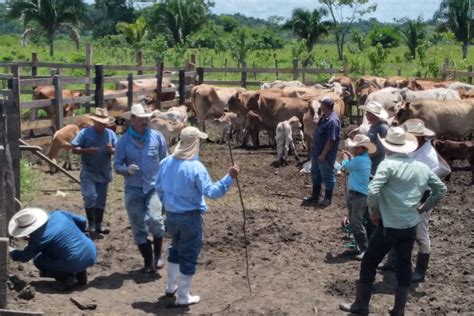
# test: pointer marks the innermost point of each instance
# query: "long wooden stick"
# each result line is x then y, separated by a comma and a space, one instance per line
244, 224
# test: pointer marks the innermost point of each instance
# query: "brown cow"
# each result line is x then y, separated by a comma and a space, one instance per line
366, 85
396, 82
47, 92
346, 83
454, 118
451, 150
418, 84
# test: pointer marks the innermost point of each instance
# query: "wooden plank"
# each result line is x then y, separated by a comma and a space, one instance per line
10, 312
40, 141
182, 86
115, 95
190, 73
13, 128
58, 103
36, 104
159, 84
99, 85
114, 79
223, 82
88, 64
78, 99
129, 68
217, 69
74, 119
458, 73
323, 70
37, 82
168, 104
78, 80
5, 77
129, 91
3, 270
27, 125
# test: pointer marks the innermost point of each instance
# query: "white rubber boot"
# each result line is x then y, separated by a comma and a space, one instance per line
173, 275
184, 296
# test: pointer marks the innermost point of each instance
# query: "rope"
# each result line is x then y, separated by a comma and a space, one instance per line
244, 225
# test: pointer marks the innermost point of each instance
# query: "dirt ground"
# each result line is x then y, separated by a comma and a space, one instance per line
294, 267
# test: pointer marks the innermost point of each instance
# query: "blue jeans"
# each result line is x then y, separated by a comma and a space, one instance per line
186, 239
94, 194
323, 173
380, 243
144, 210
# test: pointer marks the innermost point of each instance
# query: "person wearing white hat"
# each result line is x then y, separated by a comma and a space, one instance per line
393, 201
95, 144
137, 157
182, 183
358, 164
57, 244
376, 116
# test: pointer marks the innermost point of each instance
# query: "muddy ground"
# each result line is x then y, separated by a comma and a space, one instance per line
294, 267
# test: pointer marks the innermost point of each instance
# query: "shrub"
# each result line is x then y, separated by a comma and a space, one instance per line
28, 181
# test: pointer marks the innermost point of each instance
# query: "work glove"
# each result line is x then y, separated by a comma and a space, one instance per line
132, 169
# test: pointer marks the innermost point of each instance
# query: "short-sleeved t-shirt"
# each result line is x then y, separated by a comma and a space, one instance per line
328, 129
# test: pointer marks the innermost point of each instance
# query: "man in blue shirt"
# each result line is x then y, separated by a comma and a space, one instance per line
393, 201
57, 244
182, 182
358, 165
325, 142
137, 157
96, 145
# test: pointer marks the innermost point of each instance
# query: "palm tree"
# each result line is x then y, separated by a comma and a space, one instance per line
413, 32
308, 25
134, 33
456, 16
49, 17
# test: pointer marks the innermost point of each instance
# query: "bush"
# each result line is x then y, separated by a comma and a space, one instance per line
385, 36
28, 181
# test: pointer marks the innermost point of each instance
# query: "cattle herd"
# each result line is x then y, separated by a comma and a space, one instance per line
289, 111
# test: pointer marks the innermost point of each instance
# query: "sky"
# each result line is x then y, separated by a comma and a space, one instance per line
386, 11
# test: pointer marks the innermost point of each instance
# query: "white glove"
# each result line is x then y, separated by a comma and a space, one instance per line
132, 169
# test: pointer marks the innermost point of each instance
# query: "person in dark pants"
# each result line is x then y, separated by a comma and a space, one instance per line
96, 145
57, 243
182, 183
394, 194
325, 142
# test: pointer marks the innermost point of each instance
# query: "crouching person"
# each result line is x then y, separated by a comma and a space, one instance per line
182, 182
57, 243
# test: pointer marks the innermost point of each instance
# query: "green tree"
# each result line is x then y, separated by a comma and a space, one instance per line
134, 33
308, 25
384, 35
456, 16
105, 14
413, 33
343, 24
178, 18
49, 17
241, 43
228, 22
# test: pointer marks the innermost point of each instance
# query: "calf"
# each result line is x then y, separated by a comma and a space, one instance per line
174, 115
451, 150
229, 124
169, 129
286, 131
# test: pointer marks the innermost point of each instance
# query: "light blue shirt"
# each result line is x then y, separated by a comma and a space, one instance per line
96, 167
397, 188
183, 184
359, 172
147, 157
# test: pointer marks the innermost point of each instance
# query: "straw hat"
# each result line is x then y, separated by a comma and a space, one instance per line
399, 141
102, 116
26, 222
363, 141
417, 128
376, 109
138, 110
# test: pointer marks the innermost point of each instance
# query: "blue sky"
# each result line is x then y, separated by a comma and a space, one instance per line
386, 11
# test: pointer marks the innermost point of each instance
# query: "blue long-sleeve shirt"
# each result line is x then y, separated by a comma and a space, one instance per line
147, 158
62, 239
359, 172
183, 184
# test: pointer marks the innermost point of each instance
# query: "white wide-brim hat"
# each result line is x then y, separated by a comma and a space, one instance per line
376, 109
26, 222
361, 140
138, 110
101, 115
399, 141
417, 128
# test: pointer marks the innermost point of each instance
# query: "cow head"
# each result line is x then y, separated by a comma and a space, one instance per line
315, 111
403, 113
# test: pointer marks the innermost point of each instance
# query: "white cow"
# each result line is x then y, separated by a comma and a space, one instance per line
174, 114
441, 94
229, 124
279, 84
286, 131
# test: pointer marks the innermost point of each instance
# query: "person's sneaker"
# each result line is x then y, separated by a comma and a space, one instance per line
309, 201
360, 256
160, 263
81, 278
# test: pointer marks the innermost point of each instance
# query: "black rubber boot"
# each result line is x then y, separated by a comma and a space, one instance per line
327, 198
90, 214
99, 218
390, 262
313, 199
362, 244
401, 295
422, 261
361, 304
147, 253
157, 245
82, 278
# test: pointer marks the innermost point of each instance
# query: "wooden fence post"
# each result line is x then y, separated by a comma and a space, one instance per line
34, 68
182, 87
399, 71
88, 65
99, 86
159, 83
276, 69
345, 69
445, 69
225, 66
58, 103
255, 73
129, 91
469, 78
200, 75
295, 69
139, 59
243, 82
193, 59
14, 126
3, 271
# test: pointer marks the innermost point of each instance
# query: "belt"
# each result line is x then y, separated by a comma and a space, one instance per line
357, 193
185, 214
